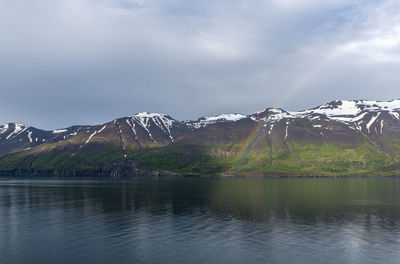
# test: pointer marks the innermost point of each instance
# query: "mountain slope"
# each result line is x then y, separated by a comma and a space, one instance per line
338, 138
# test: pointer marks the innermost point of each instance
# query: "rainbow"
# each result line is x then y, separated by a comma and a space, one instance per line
247, 143
292, 89
301, 82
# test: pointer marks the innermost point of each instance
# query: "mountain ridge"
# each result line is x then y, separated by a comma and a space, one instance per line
236, 116
342, 137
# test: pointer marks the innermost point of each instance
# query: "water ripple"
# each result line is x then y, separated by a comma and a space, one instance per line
200, 221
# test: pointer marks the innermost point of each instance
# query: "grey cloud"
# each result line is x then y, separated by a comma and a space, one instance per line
69, 62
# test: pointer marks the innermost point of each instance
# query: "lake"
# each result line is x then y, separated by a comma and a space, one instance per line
200, 220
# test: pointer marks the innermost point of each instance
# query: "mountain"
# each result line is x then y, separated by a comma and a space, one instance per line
335, 139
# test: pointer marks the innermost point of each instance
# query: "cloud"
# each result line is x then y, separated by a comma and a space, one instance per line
89, 61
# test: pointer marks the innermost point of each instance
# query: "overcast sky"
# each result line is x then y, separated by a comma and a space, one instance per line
90, 61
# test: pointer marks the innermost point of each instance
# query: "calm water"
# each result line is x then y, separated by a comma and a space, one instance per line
189, 220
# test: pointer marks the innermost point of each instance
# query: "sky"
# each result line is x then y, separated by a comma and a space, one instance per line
91, 61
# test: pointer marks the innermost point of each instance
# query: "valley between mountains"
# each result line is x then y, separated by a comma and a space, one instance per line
340, 138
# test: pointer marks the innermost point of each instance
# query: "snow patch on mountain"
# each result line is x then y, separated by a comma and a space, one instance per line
395, 115
58, 131
205, 121
286, 130
95, 133
373, 119
148, 115
163, 122
18, 128
227, 117
3, 128
132, 125
30, 136
276, 114
143, 119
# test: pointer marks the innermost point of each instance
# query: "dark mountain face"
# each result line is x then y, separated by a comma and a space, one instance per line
338, 138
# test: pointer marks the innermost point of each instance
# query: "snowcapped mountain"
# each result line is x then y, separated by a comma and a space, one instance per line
358, 126
365, 116
155, 128
142, 129
8, 131
342, 111
17, 136
161, 124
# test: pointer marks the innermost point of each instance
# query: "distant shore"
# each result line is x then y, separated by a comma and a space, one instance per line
116, 174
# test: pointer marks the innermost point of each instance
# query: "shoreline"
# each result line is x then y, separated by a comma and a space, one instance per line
118, 175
